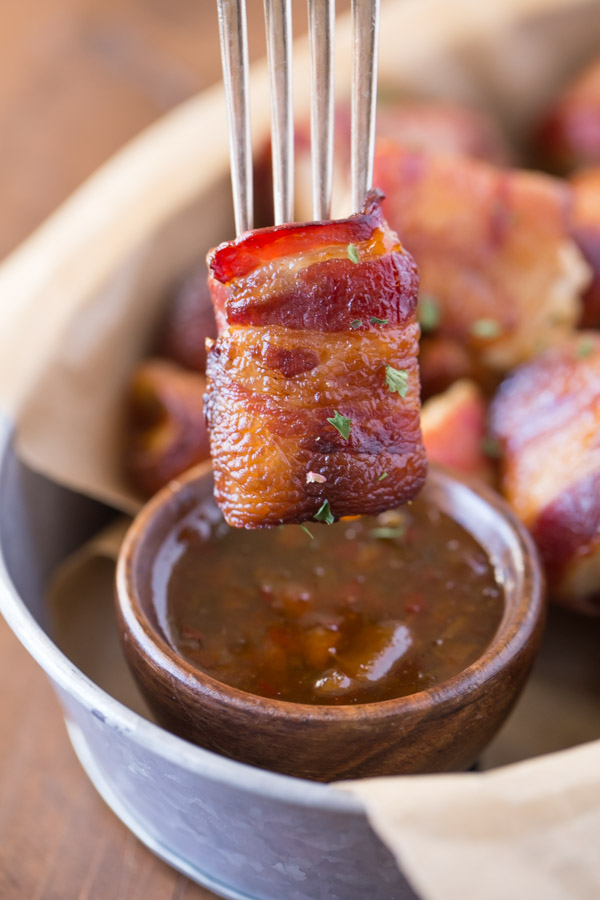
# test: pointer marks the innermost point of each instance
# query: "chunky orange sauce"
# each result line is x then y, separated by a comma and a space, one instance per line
366, 610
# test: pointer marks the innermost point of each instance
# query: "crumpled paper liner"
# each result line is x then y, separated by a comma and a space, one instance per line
79, 303
526, 832
80, 599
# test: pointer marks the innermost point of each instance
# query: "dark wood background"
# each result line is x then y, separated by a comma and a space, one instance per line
77, 79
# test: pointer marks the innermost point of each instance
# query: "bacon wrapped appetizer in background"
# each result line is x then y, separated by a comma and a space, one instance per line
496, 261
313, 385
443, 128
585, 228
569, 136
546, 417
189, 320
454, 426
428, 126
166, 432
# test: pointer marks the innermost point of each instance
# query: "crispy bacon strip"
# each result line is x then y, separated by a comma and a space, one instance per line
298, 342
547, 418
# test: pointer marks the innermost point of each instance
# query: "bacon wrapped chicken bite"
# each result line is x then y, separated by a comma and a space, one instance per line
313, 384
166, 431
418, 125
189, 320
546, 417
585, 228
443, 128
569, 136
454, 426
497, 264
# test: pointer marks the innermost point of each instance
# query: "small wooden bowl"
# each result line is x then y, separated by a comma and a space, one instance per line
436, 730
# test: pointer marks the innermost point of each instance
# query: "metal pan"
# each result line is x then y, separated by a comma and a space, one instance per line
245, 833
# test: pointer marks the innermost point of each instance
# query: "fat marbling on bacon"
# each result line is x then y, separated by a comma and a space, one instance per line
316, 322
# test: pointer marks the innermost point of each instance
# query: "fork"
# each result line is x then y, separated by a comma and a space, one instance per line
234, 53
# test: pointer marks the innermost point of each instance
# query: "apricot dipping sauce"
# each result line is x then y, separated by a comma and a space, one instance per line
367, 609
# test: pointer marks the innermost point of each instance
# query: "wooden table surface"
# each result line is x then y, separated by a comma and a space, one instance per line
77, 79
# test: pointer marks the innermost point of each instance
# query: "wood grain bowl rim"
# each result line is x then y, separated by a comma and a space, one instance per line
521, 623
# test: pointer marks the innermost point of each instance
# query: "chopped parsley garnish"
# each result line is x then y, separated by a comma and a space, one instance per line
386, 533
396, 380
491, 447
585, 348
352, 251
383, 476
324, 514
355, 323
305, 529
375, 321
429, 313
342, 423
486, 328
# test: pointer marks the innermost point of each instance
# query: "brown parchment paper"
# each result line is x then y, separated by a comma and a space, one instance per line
526, 832
79, 303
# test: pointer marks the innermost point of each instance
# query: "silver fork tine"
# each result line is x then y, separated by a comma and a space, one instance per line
234, 55
321, 17
365, 28
279, 53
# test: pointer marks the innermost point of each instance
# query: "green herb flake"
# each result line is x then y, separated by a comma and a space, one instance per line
585, 348
396, 380
355, 323
324, 514
352, 251
386, 533
306, 531
375, 321
490, 446
429, 313
486, 328
342, 423
383, 476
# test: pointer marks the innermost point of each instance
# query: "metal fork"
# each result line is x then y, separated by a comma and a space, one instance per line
234, 53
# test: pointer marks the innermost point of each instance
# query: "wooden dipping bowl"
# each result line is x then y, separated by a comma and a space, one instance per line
439, 729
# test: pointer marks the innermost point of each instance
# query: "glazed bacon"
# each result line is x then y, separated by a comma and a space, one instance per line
433, 128
166, 431
188, 321
493, 250
547, 419
454, 430
314, 321
585, 229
